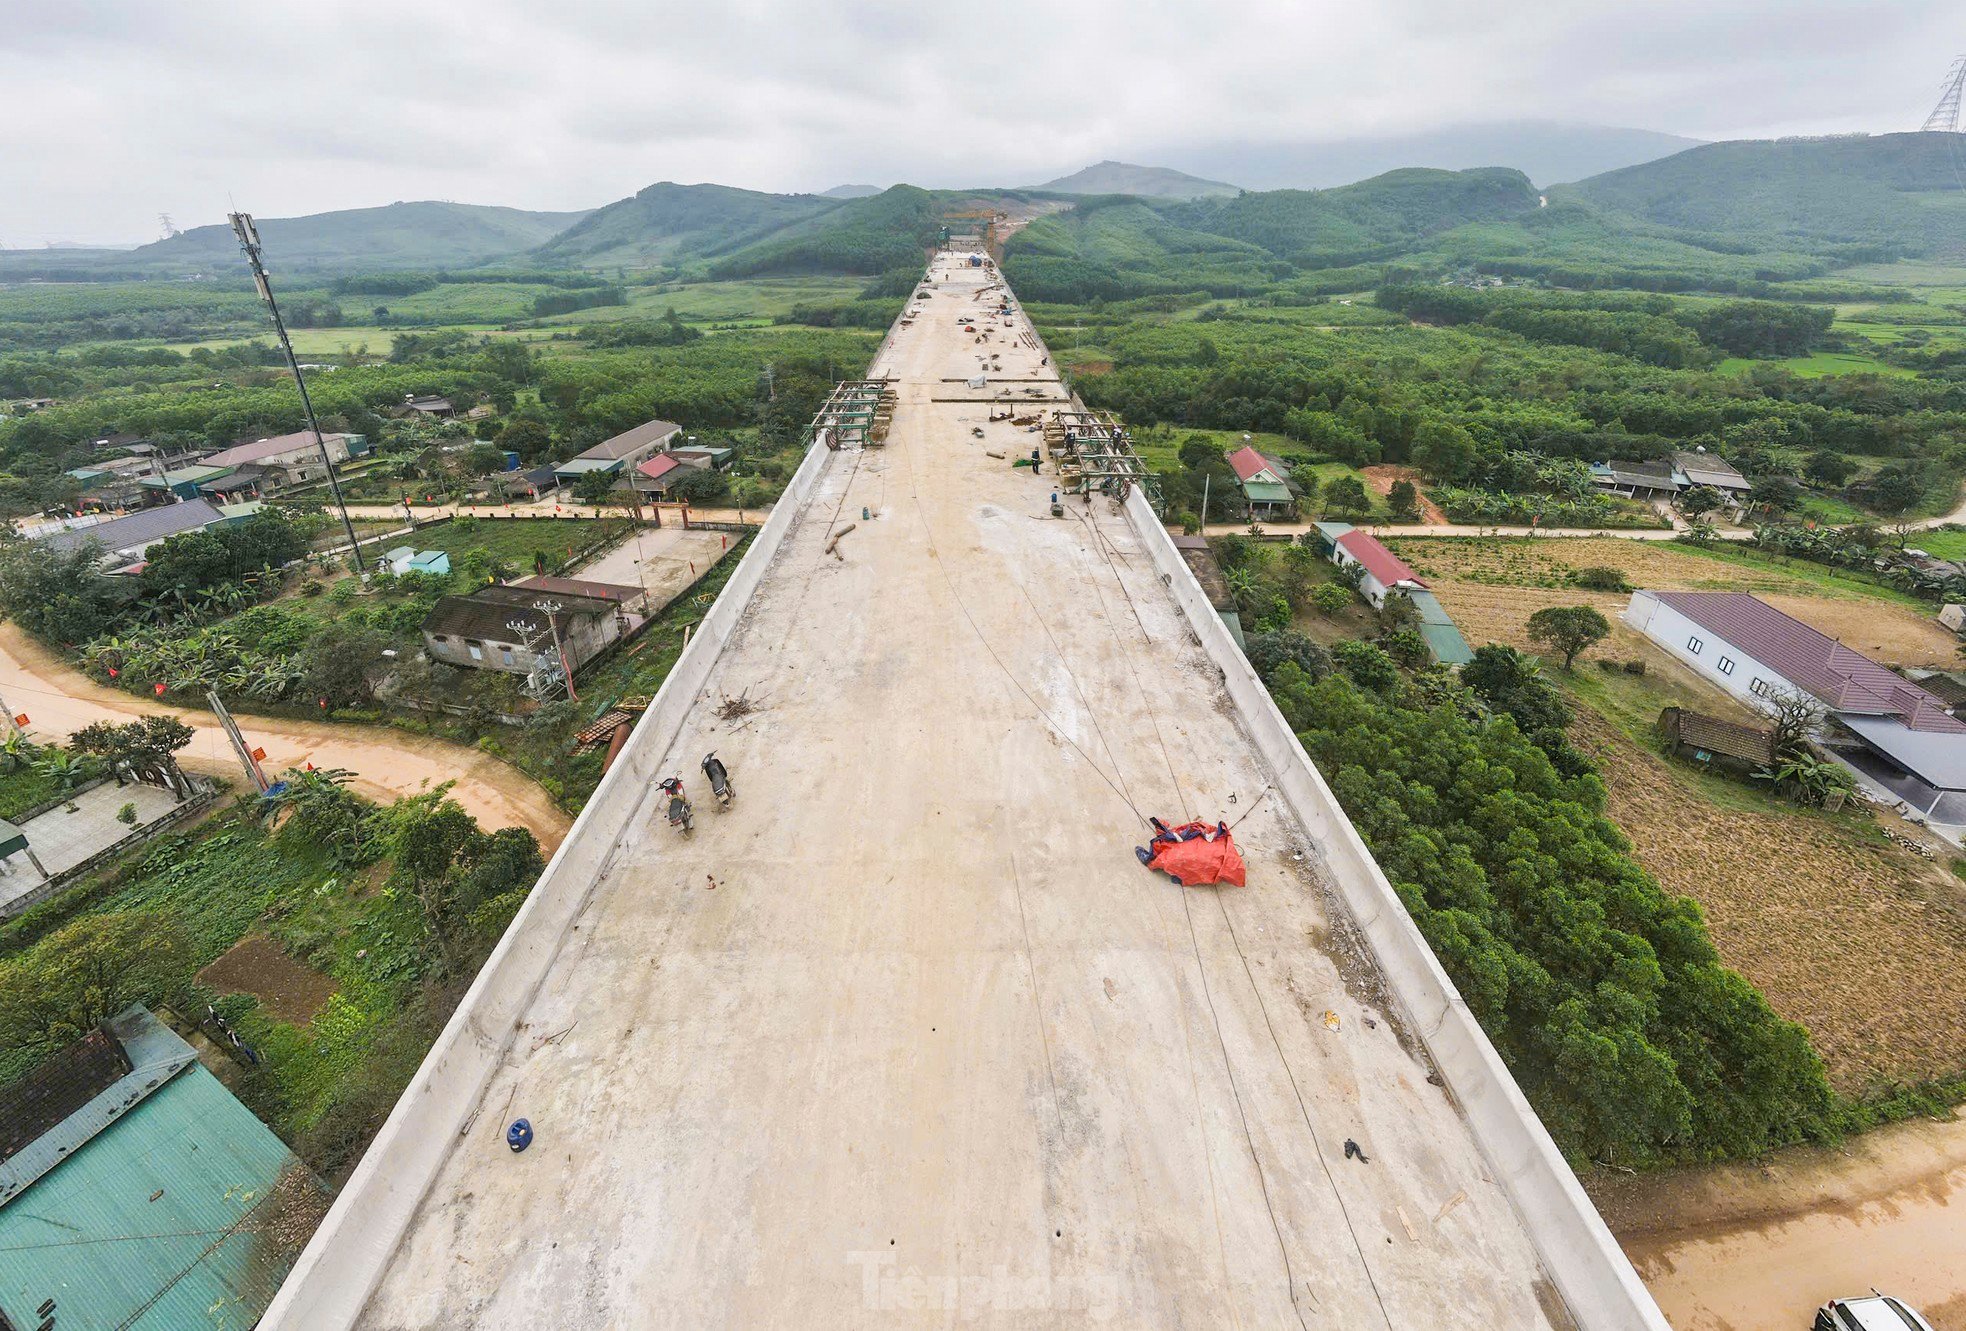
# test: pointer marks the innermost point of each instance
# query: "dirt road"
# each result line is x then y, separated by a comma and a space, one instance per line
1758, 1247
59, 701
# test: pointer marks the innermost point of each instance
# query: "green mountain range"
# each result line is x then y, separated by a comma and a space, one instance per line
1718, 216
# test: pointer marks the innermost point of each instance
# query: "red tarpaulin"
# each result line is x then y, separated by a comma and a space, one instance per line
1207, 855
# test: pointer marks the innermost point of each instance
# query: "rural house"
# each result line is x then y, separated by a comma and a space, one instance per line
1383, 570
658, 474
289, 459
511, 627
428, 405
126, 538
1699, 467
1264, 493
620, 454
1901, 736
1710, 740
134, 1189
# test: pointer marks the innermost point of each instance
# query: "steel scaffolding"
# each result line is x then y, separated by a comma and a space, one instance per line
858, 411
1093, 452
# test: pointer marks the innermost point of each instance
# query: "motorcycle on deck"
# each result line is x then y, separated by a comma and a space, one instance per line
719, 778
680, 813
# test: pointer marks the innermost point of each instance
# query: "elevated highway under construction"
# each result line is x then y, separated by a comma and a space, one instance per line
907, 1036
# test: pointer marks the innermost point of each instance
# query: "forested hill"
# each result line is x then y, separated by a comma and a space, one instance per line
667, 222
1119, 247
401, 235
1853, 196
1366, 220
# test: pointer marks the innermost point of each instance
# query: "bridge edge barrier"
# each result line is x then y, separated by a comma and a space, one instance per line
1578, 1251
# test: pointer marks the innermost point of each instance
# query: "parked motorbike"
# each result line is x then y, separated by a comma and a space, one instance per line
719, 778
680, 813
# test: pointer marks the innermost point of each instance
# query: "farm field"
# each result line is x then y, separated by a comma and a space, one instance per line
1820, 363
1491, 587
1844, 932
510, 540
1943, 544
1845, 902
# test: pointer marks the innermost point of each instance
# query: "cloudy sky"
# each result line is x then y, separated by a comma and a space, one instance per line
118, 110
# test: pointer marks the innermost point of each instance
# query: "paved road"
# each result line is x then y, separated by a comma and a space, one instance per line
60, 700
908, 1037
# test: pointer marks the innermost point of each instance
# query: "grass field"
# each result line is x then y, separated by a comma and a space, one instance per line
1821, 363
1942, 543
1160, 446
510, 540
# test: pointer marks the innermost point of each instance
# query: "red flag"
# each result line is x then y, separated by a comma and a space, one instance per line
159, 688
113, 672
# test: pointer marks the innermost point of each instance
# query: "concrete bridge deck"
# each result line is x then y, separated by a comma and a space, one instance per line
908, 1037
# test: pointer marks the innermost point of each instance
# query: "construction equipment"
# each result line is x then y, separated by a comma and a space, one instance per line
858, 411
1093, 452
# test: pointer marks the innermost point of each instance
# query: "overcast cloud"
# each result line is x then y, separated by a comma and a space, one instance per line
116, 111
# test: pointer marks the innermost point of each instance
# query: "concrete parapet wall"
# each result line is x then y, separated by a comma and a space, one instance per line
1582, 1258
341, 1265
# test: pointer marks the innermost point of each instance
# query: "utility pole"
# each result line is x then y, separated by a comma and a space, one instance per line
248, 234
550, 609
254, 772
1205, 479
13, 726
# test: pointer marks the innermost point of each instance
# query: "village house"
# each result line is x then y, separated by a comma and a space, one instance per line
1381, 573
1264, 492
287, 460
168, 1198
510, 627
1889, 729
622, 453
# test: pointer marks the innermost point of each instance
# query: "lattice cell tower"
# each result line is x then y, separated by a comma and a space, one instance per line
1945, 116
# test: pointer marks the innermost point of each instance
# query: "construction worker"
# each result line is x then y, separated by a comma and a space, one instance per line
1037, 462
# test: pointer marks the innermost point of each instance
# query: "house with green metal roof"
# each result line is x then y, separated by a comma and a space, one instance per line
136, 1192
1262, 481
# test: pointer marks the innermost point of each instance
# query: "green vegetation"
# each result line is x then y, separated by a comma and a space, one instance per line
393, 908
1605, 995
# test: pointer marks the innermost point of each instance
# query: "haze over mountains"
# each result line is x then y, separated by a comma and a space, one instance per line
1839, 198
1546, 151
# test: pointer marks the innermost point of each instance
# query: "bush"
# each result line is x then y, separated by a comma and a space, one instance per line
127, 815
1598, 578
1331, 598
1267, 651
1368, 666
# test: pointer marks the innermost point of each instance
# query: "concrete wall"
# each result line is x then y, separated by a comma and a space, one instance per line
346, 1257
1582, 1258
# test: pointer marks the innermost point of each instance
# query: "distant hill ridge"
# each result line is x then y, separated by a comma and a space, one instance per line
1147, 182
1849, 195
398, 235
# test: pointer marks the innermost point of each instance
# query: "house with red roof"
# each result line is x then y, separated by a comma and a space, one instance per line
1263, 490
1887, 728
1384, 571
655, 476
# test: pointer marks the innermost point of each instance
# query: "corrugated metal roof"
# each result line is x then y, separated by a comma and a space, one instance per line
137, 529
1843, 679
1265, 492
1380, 562
1249, 465
169, 1215
1445, 644
630, 442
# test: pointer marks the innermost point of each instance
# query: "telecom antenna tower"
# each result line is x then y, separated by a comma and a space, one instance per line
1945, 116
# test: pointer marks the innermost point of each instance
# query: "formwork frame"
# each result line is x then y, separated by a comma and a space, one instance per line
1093, 452
858, 411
